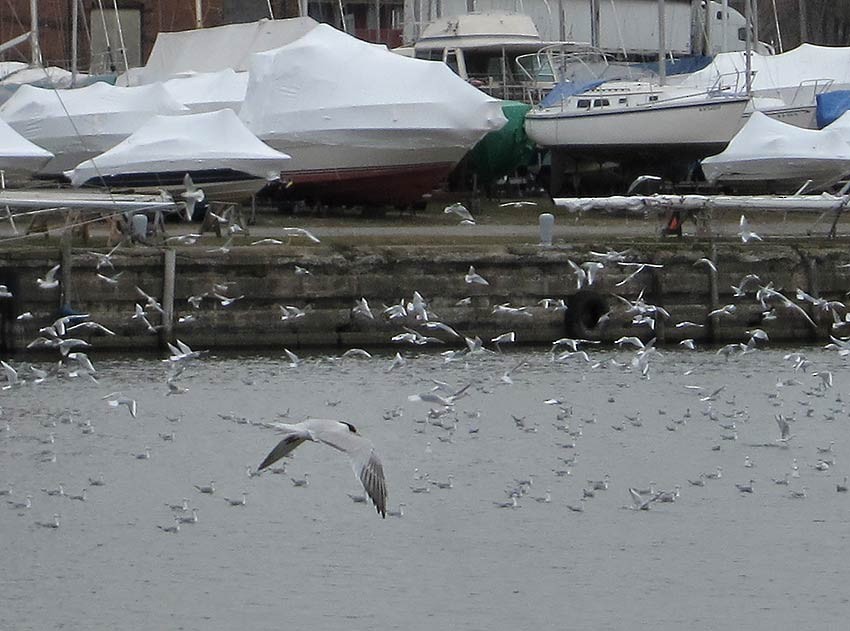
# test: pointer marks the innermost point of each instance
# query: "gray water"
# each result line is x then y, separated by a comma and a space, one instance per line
310, 558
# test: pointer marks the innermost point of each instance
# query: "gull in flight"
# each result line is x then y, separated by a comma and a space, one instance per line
300, 232
460, 210
708, 263
473, 278
639, 502
343, 437
784, 429
49, 281
114, 399
745, 233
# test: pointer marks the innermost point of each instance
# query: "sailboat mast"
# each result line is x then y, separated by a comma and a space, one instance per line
35, 49
748, 45
662, 43
75, 18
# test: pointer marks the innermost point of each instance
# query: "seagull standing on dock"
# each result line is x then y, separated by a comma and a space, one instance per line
343, 437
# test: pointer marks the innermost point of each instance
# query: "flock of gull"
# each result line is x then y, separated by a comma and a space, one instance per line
441, 407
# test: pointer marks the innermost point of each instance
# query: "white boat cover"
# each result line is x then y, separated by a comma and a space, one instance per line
83, 122
214, 49
331, 89
209, 91
806, 63
193, 142
19, 155
770, 150
51, 75
8, 67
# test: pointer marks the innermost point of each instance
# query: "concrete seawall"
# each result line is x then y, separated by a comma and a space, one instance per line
520, 275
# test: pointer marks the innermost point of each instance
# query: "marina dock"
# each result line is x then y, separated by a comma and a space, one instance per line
245, 292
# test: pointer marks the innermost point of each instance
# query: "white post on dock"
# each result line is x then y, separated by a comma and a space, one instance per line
547, 228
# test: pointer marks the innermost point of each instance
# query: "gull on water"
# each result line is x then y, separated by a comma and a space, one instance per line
80, 498
172, 529
746, 487
305, 481
191, 519
145, 455
343, 437
50, 524
399, 512
25, 505
207, 489
182, 507
512, 503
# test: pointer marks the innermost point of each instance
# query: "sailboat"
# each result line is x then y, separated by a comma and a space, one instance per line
591, 115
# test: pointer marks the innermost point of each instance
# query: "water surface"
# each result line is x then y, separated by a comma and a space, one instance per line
311, 558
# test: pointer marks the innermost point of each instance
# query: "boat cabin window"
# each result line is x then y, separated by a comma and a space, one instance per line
583, 104
653, 98
623, 100
601, 102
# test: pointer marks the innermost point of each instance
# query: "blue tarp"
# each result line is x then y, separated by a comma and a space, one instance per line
565, 89
682, 65
831, 105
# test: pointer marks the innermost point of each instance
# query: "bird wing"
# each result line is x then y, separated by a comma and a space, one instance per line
284, 447
365, 462
51, 274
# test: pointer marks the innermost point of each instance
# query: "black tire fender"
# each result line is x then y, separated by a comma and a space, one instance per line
584, 310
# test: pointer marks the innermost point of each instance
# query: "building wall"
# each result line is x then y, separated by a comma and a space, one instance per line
824, 22
54, 22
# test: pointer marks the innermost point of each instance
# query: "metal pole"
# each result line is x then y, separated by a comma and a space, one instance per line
75, 19
594, 23
778, 31
35, 49
724, 19
562, 28
755, 15
199, 14
748, 47
804, 22
120, 35
707, 18
662, 43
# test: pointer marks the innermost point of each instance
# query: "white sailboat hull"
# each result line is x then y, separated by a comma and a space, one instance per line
700, 125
